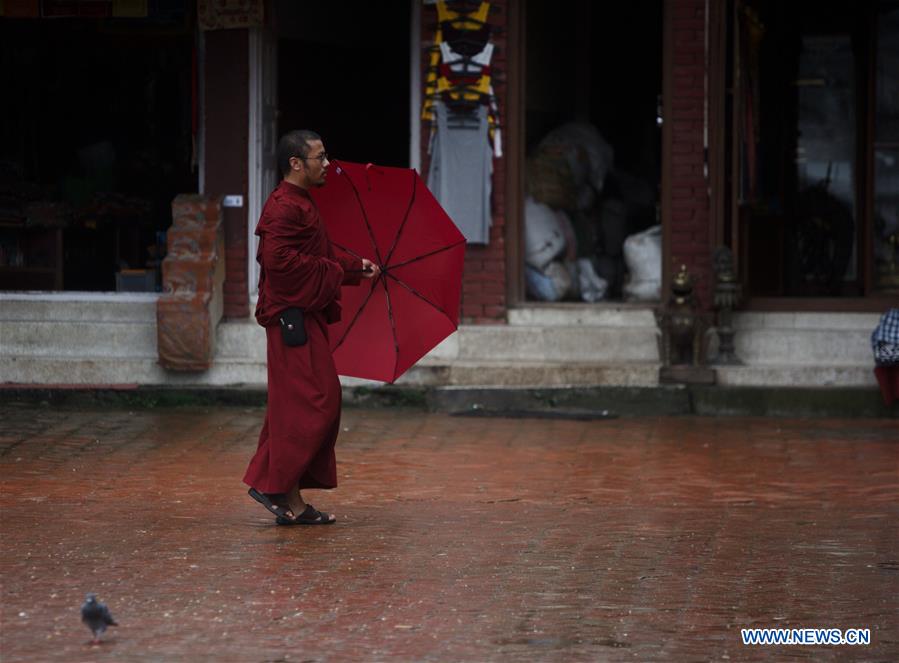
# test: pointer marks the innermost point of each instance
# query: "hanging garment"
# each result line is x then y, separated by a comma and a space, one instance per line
427, 107
461, 171
456, 69
469, 30
469, 73
467, 42
448, 68
463, 97
462, 20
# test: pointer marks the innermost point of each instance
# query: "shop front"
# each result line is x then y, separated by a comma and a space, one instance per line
592, 149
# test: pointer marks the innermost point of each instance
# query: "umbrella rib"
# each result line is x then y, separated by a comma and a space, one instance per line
396, 344
396, 239
371, 233
423, 298
428, 255
351, 253
345, 249
356, 317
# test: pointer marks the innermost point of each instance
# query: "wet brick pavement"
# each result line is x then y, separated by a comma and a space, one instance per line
459, 539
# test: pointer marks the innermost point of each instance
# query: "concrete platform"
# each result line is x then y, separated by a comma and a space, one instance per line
48, 339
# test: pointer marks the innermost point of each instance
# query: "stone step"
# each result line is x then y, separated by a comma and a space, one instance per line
804, 347
796, 375
87, 307
230, 371
240, 339
558, 344
235, 371
834, 321
123, 371
522, 374
103, 339
492, 343
79, 339
81, 370
805, 339
546, 373
483, 354
578, 315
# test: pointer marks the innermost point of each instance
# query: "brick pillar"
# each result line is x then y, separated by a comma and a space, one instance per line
237, 295
484, 280
688, 235
192, 274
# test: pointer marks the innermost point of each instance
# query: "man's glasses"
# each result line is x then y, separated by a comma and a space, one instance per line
321, 158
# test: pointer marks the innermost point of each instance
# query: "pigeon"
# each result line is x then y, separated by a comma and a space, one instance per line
96, 616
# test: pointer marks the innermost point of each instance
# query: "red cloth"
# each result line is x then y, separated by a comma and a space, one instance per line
888, 379
299, 268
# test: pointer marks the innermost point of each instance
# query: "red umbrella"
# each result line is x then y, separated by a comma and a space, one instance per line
389, 216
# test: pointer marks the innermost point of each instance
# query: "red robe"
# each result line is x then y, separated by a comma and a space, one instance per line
299, 268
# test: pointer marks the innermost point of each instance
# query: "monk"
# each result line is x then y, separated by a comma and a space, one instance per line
299, 269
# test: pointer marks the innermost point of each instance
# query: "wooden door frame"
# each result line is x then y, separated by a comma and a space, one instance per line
667, 142
717, 128
514, 156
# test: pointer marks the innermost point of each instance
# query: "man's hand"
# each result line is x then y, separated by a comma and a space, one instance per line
369, 269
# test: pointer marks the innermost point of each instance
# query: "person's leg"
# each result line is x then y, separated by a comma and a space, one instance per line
295, 500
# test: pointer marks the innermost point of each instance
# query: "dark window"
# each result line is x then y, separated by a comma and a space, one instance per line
97, 140
815, 186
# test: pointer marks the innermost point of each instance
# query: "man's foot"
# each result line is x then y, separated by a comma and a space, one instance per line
308, 516
275, 503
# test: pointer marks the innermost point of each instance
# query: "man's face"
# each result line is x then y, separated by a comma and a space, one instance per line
316, 163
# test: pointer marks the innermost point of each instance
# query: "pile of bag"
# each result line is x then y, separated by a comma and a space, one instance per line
552, 269
585, 223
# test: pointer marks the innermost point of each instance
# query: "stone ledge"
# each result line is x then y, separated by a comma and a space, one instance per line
750, 320
113, 308
847, 402
38, 371
579, 315
798, 375
516, 374
559, 402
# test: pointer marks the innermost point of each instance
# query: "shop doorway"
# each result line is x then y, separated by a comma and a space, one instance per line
593, 81
96, 139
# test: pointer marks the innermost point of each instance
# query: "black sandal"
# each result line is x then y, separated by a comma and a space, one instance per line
281, 511
310, 516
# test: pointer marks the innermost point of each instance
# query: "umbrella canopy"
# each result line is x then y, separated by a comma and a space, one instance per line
389, 216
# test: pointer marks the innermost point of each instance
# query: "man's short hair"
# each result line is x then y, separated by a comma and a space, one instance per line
294, 144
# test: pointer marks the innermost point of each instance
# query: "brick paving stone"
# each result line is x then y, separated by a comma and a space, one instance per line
459, 539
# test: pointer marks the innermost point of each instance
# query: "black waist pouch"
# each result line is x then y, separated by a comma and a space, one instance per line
293, 330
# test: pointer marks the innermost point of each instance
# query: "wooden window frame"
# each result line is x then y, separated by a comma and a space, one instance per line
726, 218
